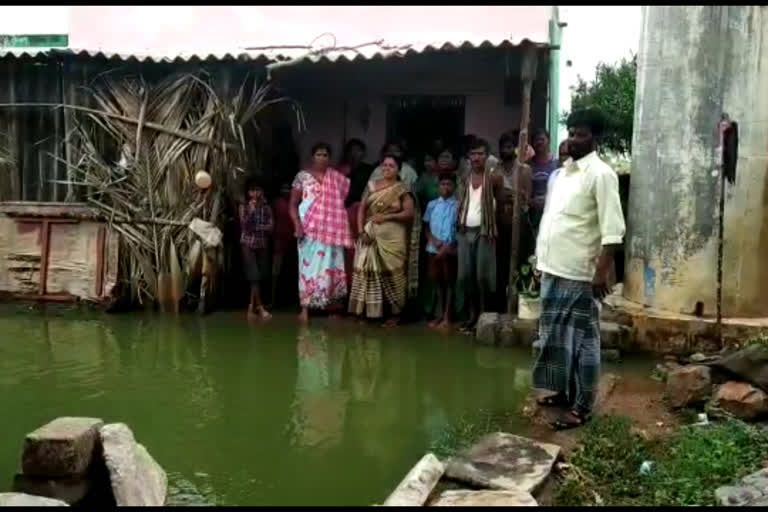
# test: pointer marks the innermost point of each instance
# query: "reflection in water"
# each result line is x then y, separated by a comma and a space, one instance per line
320, 405
246, 414
364, 359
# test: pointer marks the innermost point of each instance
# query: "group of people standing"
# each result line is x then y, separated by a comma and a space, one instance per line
366, 234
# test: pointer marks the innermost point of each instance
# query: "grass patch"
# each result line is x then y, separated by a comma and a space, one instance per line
687, 469
471, 427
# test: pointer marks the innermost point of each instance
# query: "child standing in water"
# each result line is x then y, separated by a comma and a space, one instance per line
440, 220
255, 228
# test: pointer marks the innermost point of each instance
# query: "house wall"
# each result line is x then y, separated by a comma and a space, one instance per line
77, 253
323, 89
696, 63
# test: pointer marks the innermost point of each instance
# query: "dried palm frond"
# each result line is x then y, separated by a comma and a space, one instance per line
6, 157
139, 148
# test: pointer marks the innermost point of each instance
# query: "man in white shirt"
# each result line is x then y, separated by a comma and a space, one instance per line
582, 225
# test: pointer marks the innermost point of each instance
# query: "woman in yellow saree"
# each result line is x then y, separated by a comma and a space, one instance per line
379, 279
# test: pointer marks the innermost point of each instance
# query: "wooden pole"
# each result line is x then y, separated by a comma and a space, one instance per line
527, 75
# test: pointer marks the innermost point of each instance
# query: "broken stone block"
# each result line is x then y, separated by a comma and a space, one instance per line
18, 499
688, 385
613, 335
417, 485
517, 331
758, 480
70, 490
64, 447
730, 496
605, 387
136, 479
743, 400
466, 498
487, 329
502, 461
749, 364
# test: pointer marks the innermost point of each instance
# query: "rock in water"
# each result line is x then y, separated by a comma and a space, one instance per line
136, 479
743, 400
61, 448
749, 364
488, 328
504, 461
70, 490
18, 499
465, 498
688, 385
415, 488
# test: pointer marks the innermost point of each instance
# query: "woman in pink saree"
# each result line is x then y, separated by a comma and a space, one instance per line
322, 230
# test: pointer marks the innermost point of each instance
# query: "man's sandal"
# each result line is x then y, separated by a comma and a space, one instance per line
569, 419
550, 401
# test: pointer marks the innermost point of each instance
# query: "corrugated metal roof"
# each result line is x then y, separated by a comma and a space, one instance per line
266, 54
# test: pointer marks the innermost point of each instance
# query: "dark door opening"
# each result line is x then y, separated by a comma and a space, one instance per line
419, 120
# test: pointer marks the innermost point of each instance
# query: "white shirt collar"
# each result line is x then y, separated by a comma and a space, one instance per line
583, 162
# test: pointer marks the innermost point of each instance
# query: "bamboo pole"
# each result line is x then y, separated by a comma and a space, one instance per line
528, 73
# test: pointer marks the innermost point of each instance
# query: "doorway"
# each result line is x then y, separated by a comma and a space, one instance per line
421, 119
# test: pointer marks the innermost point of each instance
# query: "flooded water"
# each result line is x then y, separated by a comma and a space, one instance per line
239, 414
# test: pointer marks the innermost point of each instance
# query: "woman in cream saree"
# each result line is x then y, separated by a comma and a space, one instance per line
380, 275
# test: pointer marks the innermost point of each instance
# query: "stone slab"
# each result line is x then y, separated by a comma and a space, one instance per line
752, 492
466, 498
418, 484
503, 461
18, 499
136, 478
64, 447
732, 496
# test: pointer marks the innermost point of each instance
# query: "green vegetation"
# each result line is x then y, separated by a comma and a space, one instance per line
470, 428
687, 467
612, 92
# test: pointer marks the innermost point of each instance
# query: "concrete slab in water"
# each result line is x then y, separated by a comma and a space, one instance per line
505, 462
465, 498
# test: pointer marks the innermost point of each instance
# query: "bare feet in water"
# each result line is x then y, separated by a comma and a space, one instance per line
392, 322
304, 316
260, 313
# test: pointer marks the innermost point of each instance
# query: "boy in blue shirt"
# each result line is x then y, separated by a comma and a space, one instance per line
440, 229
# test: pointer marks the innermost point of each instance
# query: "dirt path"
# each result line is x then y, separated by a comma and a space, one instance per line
634, 396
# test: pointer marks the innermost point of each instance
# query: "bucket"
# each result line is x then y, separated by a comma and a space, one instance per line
528, 309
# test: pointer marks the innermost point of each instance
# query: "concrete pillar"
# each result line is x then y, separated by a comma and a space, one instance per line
695, 63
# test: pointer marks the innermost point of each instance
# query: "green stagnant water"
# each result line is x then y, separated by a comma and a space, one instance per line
253, 414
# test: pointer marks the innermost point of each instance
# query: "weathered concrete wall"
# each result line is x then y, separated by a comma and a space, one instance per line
77, 253
695, 63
